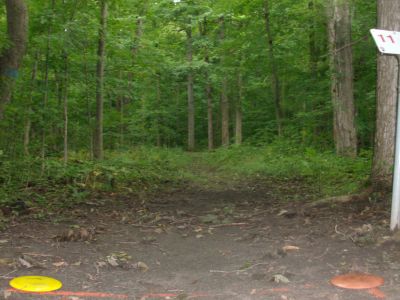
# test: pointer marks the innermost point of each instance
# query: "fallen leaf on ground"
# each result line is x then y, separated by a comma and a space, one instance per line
7, 294
118, 259
101, 264
75, 234
26, 262
364, 229
290, 248
84, 234
282, 212
141, 266
279, 278
158, 230
112, 260
6, 261
60, 264
198, 229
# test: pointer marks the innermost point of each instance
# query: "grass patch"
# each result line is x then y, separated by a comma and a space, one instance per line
329, 174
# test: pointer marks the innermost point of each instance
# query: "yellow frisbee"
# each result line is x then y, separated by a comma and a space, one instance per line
35, 284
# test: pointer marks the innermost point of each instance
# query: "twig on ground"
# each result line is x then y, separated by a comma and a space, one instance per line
132, 243
325, 252
38, 254
239, 271
346, 236
144, 226
229, 225
5, 275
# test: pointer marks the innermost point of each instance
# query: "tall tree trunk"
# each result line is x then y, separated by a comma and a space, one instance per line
191, 109
388, 19
208, 90
210, 126
121, 104
313, 55
238, 111
11, 58
28, 121
344, 128
138, 37
134, 52
158, 120
46, 89
65, 110
275, 77
224, 94
98, 152
87, 98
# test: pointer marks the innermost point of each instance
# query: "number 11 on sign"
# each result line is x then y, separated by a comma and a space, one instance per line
388, 42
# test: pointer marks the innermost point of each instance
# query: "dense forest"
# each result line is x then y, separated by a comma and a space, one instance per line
293, 83
186, 149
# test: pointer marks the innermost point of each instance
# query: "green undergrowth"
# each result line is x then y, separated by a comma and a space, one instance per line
147, 169
323, 171
142, 169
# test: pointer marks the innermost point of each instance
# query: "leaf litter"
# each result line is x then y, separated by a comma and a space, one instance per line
282, 237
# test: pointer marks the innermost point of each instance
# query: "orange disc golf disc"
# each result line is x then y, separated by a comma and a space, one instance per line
357, 281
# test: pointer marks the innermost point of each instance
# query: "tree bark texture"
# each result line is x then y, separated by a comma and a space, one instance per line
191, 108
388, 19
208, 90
238, 111
274, 68
28, 120
134, 52
10, 59
65, 109
46, 87
158, 118
313, 55
210, 126
341, 61
98, 151
224, 94
87, 98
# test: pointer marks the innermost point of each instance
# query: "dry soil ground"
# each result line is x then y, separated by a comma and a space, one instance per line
250, 241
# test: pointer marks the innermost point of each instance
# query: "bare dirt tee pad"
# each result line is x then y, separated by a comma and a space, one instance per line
230, 243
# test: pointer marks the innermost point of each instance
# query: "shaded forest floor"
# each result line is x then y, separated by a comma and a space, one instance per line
209, 239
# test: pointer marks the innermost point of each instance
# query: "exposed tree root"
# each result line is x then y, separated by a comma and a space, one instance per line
362, 196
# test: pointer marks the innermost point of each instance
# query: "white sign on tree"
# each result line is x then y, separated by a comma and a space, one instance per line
388, 42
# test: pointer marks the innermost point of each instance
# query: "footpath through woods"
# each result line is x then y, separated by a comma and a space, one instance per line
213, 238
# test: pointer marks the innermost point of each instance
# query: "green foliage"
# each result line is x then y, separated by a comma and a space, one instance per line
144, 55
54, 183
146, 96
286, 160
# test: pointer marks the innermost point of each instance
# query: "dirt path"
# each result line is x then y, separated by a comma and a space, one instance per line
203, 244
